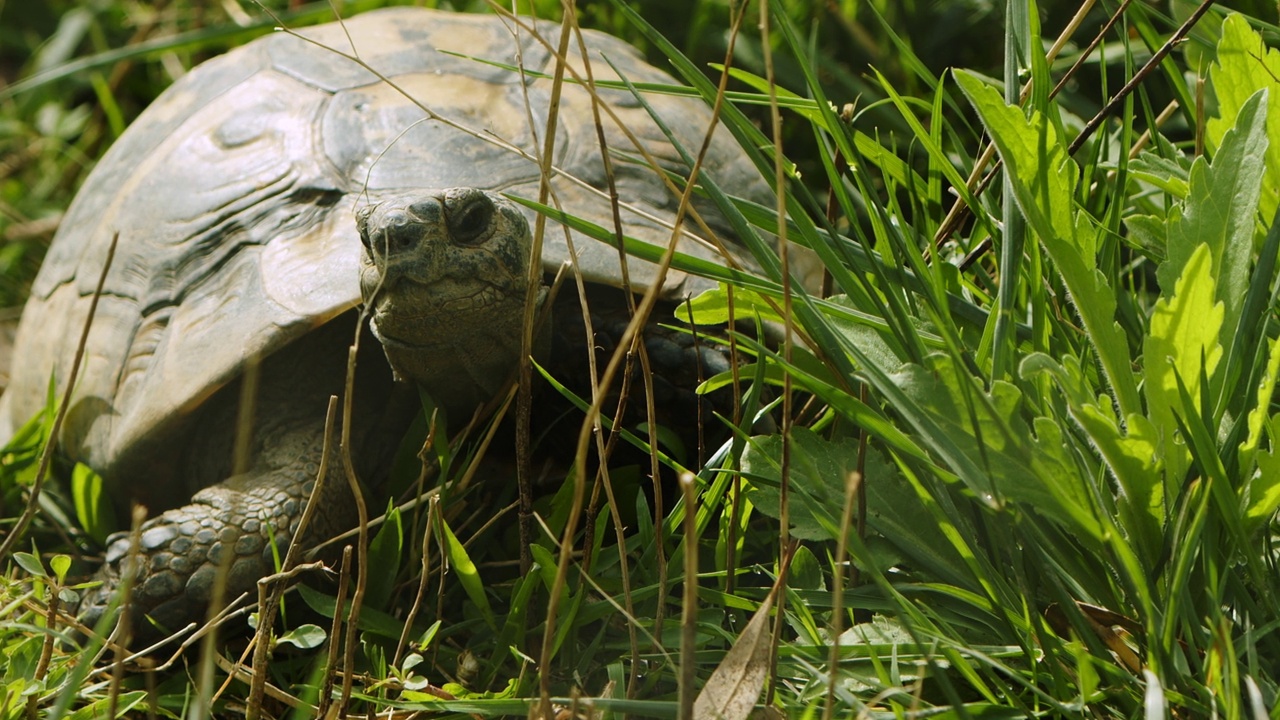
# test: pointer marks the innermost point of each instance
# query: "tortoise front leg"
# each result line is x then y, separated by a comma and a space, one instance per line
233, 524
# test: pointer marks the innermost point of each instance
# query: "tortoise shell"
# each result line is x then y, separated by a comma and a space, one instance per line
235, 195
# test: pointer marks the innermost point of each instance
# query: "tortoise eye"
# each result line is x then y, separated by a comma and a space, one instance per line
469, 224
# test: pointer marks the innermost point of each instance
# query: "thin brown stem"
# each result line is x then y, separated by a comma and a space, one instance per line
780, 188
362, 547
123, 629
268, 602
524, 396
424, 576
46, 455
852, 487
335, 630
1158, 57
689, 604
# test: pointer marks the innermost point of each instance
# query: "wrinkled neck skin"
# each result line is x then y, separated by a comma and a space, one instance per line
469, 360
445, 275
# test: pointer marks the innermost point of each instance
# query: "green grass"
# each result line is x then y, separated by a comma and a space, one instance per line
1039, 480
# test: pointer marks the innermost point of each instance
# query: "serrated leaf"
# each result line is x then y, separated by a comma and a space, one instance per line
1027, 463
817, 480
1131, 454
1220, 212
1150, 233
1043, 178
1258, 414
1244, 66
1168, 174
1182, 342
818, 472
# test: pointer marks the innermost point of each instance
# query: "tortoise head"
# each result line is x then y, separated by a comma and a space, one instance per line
445, 274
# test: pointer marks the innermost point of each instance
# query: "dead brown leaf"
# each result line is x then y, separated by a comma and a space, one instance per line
733, 689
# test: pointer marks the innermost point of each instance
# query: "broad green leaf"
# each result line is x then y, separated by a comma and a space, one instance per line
472, 584
711, 307
1043, 179
1029, 464
1221, 212
1150, 233
1244, 66
384, 559
817, 481
30, 563
20, 457
60, 564
371, 619
806, 571
93, 508
818, 473
867, 338
1182, 342
304, 636
1165, 173
1137, 463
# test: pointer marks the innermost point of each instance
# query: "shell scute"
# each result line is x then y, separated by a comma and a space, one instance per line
235, 196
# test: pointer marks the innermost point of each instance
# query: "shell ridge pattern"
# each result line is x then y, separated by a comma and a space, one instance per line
235, 193
75, 257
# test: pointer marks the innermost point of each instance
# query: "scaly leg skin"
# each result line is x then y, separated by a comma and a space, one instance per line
234, 522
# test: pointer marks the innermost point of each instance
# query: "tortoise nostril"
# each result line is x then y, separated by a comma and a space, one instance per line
402, 237
394, 234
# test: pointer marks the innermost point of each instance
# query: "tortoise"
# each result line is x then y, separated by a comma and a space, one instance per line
266, 195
